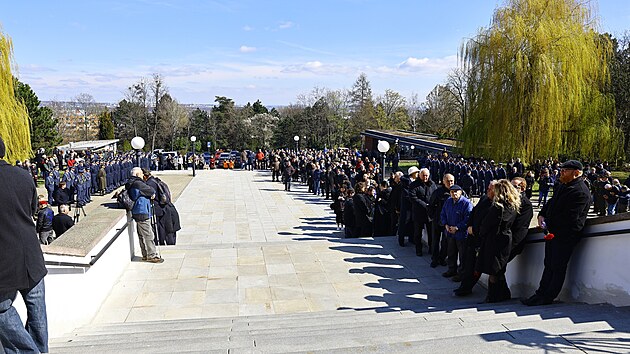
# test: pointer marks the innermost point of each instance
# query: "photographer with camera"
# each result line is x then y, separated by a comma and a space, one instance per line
142, 195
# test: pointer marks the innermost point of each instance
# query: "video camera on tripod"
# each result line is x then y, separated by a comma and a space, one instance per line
78, 208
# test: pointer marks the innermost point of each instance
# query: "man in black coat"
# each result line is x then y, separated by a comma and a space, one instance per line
62, 222
436, 202
21, 262
420, 191
564, 215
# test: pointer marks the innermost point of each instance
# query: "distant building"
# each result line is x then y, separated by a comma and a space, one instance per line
72, 121
92, 145
410, 143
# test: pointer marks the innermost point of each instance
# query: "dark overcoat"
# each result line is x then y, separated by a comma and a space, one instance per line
495, 234
21, 259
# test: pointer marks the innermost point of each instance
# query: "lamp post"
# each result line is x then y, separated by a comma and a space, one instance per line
412, 149
296, 139
193, 139
383, 147
137, 143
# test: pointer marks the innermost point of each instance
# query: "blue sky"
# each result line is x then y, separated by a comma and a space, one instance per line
246, 50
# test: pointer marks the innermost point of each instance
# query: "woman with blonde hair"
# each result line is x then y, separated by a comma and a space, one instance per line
496, 237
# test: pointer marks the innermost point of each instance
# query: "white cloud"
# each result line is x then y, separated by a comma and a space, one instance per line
286, 25
313, 65
248, 28
246, 49
429, 64
316, 67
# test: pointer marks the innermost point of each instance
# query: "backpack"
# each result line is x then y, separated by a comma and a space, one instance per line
124, 200
163, 194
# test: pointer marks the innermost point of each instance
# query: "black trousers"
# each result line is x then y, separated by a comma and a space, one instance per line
417, 234
557, 256
439, 243
394, 222
469, 261
455, 253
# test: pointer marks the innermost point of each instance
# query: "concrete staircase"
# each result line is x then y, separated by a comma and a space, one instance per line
485, 328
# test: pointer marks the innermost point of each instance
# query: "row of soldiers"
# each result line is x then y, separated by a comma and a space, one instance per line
89, 176
473, 175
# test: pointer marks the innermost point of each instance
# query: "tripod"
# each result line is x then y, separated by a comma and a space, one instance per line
154, 227
78, 208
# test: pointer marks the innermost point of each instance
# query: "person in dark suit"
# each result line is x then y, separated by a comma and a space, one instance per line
420, 191
63, 196
22, 265
564, 216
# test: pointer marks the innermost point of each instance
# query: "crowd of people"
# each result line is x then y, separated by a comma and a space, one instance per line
435, 198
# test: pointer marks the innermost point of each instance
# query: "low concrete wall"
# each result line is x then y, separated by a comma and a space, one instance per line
75, 294
597, 272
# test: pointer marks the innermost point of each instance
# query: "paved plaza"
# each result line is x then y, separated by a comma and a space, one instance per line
247, 247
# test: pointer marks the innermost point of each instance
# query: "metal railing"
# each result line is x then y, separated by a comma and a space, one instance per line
584, 235
94, 258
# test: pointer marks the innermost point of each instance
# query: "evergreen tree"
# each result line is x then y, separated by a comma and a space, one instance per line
44, 132
105, 126
259, 108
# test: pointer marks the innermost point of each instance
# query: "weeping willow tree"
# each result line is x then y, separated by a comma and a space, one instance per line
14, 120
537, 85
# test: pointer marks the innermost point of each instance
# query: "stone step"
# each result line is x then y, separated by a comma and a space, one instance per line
364, 338
531, 342
328, 318
436, 329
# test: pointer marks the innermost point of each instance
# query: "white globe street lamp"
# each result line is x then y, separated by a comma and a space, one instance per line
296, 139
137, 143
383, 148
193, 139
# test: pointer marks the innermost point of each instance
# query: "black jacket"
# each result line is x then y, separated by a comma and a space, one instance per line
436, 202
159, 209
495, 235
419, 195
363, 209
62, 196
21, 259
477, 215
348, 213
61, 223
394, 197
520, 227
565, 213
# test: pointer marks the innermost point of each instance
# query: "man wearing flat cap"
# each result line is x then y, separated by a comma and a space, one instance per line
454, 216
563, 216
